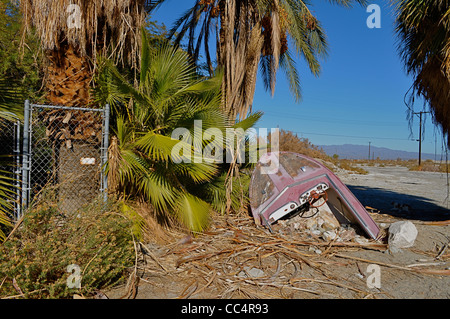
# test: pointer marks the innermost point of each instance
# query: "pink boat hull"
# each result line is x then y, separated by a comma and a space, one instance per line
281, 192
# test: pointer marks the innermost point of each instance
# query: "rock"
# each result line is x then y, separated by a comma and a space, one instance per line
347, 234
315, 232
100, 295
329, 220
401, 235
329, 235
361, 240
310, 223
323, 219
251, 272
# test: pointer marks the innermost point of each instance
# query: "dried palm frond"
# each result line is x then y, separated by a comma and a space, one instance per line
92, 26
251, 34
423, 30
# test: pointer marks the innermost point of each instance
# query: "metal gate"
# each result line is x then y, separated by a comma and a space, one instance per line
65, 150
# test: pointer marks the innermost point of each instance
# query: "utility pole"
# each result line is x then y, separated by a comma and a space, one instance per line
420, 134
369, 150
420, 139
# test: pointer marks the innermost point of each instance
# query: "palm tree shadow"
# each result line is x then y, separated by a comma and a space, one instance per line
408, 206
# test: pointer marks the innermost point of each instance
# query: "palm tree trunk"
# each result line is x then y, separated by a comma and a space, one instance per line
76, 135
238, 54
68, 78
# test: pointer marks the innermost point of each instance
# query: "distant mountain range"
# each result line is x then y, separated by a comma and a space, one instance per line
350, 151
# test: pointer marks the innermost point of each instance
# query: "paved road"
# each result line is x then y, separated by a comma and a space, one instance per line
425, 193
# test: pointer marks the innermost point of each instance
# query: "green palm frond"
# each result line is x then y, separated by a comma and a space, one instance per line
217, 193
6, 198
196, 172
157, 147
155, 187
250, 121
170, 95
138, 222
11, 100
192, 211
287, 63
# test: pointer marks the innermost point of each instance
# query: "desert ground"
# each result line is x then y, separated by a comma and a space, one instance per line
236, 259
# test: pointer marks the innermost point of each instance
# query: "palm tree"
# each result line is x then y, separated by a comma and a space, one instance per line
169, 95
73, 34
99, 27
251, 34
423, 30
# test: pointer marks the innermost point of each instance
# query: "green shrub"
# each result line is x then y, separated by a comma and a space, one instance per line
37, 256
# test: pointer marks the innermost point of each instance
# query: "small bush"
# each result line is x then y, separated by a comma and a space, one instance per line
430, 166
351, 166
37, 256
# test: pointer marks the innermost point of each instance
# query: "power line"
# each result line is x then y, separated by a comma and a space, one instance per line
353, 136
331, 120
350, 136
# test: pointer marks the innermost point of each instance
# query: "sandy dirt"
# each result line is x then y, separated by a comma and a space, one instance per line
236, 259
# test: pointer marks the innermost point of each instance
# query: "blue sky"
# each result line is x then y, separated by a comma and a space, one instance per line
358, 97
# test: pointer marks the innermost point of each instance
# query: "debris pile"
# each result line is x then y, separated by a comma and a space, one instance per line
236, 259
319, 223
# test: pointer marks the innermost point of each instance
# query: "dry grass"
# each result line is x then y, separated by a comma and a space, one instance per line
290, 142
412, 165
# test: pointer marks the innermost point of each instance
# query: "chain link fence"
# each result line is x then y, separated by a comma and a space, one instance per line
64, 153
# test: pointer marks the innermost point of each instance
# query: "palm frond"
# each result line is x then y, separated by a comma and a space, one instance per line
198, 173
169, 95
423, 31
157, 189
192, 211
11, 99
250, 121
158, 147
6, 202
287, 63
120, 20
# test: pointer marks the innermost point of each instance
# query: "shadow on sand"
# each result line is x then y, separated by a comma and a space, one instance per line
418, 208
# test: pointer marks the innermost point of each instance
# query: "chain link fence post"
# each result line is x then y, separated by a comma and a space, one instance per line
26, 157
106, 115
